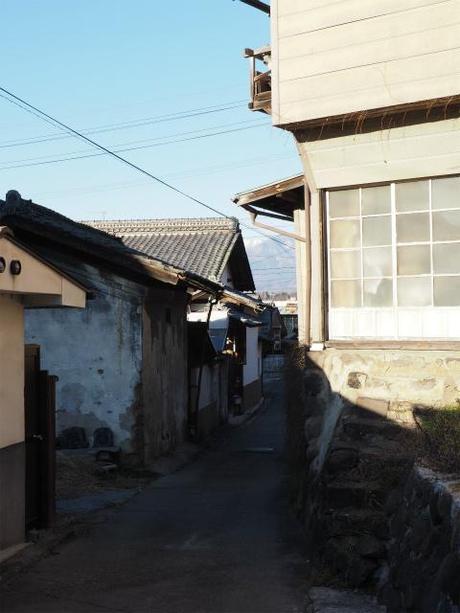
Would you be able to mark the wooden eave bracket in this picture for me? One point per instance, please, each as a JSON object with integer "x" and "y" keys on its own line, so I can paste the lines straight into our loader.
{"x": 279, "y": 231}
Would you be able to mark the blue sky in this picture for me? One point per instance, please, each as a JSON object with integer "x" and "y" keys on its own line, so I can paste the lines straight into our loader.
{"x": 96, "y": 63}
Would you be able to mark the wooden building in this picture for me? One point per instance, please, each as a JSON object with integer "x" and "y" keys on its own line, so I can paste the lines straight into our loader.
{"x": 26, "y": 392}
{"x": 370, "y": 92}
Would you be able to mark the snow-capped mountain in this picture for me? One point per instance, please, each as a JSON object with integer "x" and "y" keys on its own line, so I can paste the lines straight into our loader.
{"x": 272, "y": 263}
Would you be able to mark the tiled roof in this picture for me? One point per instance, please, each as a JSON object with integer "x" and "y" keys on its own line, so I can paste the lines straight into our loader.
{"x": 39, "y": 224}
{"x": 202, "y": 246}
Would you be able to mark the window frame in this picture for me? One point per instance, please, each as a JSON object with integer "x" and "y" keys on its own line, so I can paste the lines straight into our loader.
{"x": 395, "y": 305}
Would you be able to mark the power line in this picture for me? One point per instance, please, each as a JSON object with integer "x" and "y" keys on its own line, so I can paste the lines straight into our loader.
{"x": 30, "y": 108}
{"x": 127, "y": 124}
{"x": 123, "y": 147}
{"x": 192, "y": 172}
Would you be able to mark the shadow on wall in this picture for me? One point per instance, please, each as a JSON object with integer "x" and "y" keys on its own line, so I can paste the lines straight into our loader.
{"x": 374, "y": 518}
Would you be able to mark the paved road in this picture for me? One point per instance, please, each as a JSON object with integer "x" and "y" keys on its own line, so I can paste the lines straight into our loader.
{"x": 215, "y": 537}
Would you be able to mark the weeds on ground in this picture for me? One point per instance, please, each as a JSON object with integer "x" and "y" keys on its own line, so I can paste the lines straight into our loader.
{"x": 441, "y": 433}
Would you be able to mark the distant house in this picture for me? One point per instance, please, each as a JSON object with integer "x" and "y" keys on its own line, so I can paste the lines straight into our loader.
{"x": 289, "y": 316}
{"x": 122, "y": 362}
{"x": 212, "y": 248}
{"x": 272, "y": 329}
{"x": 26, "y": 392}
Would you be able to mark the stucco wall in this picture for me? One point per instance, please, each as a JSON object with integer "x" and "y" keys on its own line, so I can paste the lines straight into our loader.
{"x": 11, "y": 372}
{"x": 97, "y": 355}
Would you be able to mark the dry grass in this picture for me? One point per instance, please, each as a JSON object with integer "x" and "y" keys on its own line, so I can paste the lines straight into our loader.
{"x": 441, "y": 432}
{"x": 77, "y": 476}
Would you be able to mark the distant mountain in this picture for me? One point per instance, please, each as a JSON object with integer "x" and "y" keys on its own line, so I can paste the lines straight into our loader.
{"x": 273, "y": 264}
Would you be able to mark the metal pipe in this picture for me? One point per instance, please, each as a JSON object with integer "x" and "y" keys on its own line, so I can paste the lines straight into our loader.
{"x": 257, "y": 4}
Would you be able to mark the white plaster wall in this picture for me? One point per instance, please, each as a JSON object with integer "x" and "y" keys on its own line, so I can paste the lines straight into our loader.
{"x": 11, "y": 372}
{"x": 250, "y": 369}
{"x": 97, "y": 355}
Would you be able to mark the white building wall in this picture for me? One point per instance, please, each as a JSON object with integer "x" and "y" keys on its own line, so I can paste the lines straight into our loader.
{"x": 410, "y": 152}
{"x": 333, "y": 58}
{"x": 251, "y": 368}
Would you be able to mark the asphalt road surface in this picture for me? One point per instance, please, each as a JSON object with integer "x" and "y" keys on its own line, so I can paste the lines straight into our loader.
{"x": 215, "y": 537}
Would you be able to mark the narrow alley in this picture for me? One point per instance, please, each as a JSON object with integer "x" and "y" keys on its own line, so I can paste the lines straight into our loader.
{"x": 215, "y": 537}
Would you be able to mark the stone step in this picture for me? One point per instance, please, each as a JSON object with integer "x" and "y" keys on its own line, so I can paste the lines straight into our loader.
{"x": 356, "y": 558}
{"x": 348, "y": 455}
{"x": 355, "y": 522}
{"x": 341, "y": 494}
{"x": 364, "y": 427}
{"x": 329, "y": 600}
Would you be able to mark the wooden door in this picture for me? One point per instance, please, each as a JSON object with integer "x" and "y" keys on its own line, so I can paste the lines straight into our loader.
{"x": 39, "y": 404}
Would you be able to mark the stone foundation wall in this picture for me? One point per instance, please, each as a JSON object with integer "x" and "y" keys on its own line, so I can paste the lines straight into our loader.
{"x": 423, "y": 572}
{"x": 392, "y": 382}
{"x": 350, "y": 428}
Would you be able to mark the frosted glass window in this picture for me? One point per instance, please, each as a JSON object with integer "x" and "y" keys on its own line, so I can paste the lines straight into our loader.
{"x": 376, "y": 231}
{"x": 394, "y": 260}
{"x": 344, "y": 203}
{"x": 412, "y": 196}
{"x": 413, "y": 228}
{"x": 378, "y": 292}
{"x": 414, "y": 291}
{"x": 345, "y": 264}
{"x": 447, "y": 291}
{"x": 345, "y": 233}
{"x": 446, "y": 226}
{"x": 346, "y": 293}
{"x": 445, "y": 193}
{"x": 446, "y": 258}
{"x": 375, "y": 200}
{"x": 377, "y": 262}
{"x": 414, "y": 260}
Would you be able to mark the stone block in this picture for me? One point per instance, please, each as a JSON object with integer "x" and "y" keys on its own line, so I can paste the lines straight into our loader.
{"x": 356, "y": 380}
{"x": 341, "y": 460}
{"x": 373, "y": 406}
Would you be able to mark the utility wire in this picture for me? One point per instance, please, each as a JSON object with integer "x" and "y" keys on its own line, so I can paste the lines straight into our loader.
{"x": 30, "y": 108}
{"x": 136, "y": 123}
{"x": 124, "y": 147}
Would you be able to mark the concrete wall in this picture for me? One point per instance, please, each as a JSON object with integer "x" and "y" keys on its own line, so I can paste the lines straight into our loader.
{"x": 341, "y": 57}
{"x": 164, "y": 371}
{"x": 97, "y": 355}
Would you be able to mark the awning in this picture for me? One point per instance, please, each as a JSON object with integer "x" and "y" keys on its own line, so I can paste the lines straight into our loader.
{"x": 277, "y": 200}
{"x": 244, "y": 319}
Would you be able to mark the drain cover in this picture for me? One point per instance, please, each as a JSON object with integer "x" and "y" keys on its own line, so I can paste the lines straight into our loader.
{"x": 260, "y": 449}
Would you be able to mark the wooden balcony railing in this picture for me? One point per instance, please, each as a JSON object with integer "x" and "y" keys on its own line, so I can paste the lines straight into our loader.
{"x": 260, "y": 83}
